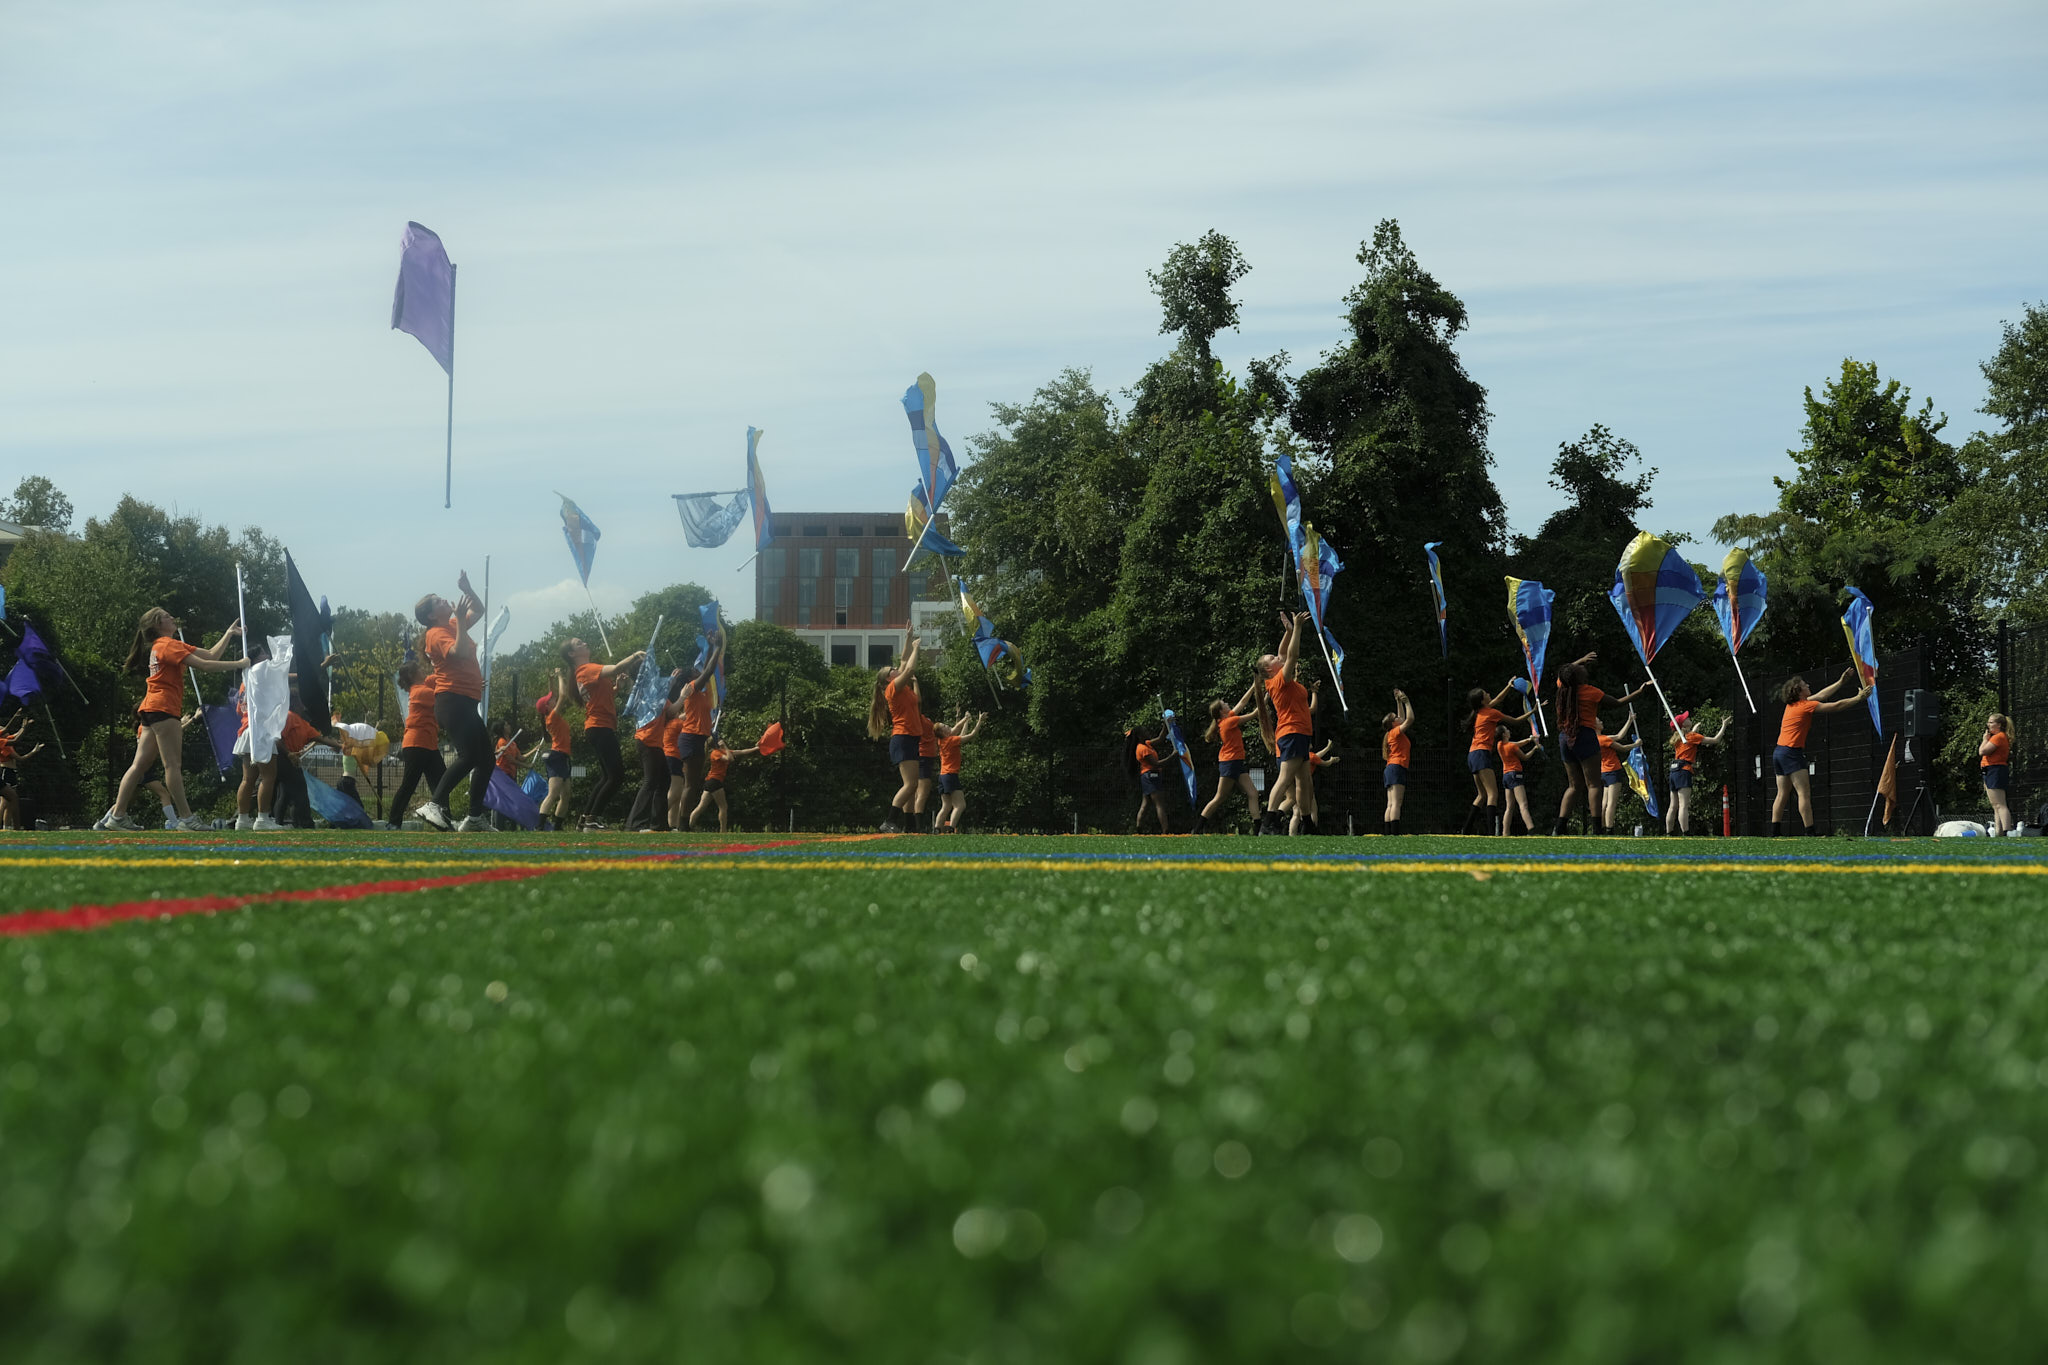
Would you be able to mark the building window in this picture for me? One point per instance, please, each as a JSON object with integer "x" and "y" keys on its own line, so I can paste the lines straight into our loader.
{"x": 881, "y": 656}
{"x": 850, "y": 533}
{"x": 771, "y": 598}
{"x": 783, "y": 528}
{"x": 882, "y": 568}
{"x": 846, "y": 563}
{"x": 888, "y": 532}
{"x": 842, "y": 599}
{"x": 810, "y": 563}
{"x": 916, "y": 581}
{"x": 806, "y": 599}
{"x": 814, "y": 531}
{"x": 845, "y": 655}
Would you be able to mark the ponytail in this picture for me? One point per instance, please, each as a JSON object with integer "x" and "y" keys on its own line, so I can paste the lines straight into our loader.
{"x": 878, "y": 707}
{"x": 146, "y": 635}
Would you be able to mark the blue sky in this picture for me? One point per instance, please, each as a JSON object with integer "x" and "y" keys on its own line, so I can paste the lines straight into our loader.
{"x": 674, "y": 220}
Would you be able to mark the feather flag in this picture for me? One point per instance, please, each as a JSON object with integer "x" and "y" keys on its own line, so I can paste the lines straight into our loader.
{"x": 1436, "y": 586}
{"x": 1529, "y": 604}
{"x": 582, "y": 534}
{"x": 757, "y": 491}
{"x": 1739, "y": 599}
{"x": 1187, "y": 759}
{"x": 1863, "y": 649}
{"x": 1654, "y": 591}
{"x": 935, "y": 468}
{"x": 646, "y": 697}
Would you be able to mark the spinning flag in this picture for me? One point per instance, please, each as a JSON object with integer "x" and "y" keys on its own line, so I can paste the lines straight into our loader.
{"x": 757, "y": 492}
{"x": 1319, "y": 566}
{"x": 1654, "y": 591}
{"x": 993, "y": 651}
{"x": 771, "y": 739}
{"x": 1739, "y": 599}
{"x": 646, "y": 697}
{"x": 1529, "y": 608}
{"x": 312, "y": 634}
{"x": 923, "y": 535}
{"x": 1180, "y": 751}
{"x": 1863, "y": 649}
{"x": 582, "y": 534}
{"x": 35, "y": 668}
{"x": 425, "y": 302}
{"x": 709, "y": 631}
{"x": 1639, "y": 782}
{"x": 1287, "y": 501}
{"x": 708, "y": 523}
{"x": 506, "y": 798}
{"x": 935, "y": 468}
{"x": 1436, "y": 585}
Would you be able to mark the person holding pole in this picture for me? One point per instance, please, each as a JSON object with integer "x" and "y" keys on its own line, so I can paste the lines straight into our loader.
{"x": 597, "y": 686}
{"x": 420, "y": 747}
{"x": 1226, "y": 731}
{"x": 1994, "y": 762}
{"x": 1578, "y": 737}
{"x": 162, "y": 658}
{"x": 1514, "y": 783}
{"x": 1788, "y": 760}
{"x": 1294, "y": 730}
{"x": 894, "y": 711}
{"x": 1613, "y": 770}
{"x": 1683, "y": 764}
{"x": 458, "y": 689}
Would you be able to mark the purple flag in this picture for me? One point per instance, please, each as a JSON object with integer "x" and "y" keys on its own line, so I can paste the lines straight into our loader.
{"x": 505, "y": 797}
{"x": 223, "y": 724}
{"x": 35, "y": 668}
{"x": 425, "y": 302}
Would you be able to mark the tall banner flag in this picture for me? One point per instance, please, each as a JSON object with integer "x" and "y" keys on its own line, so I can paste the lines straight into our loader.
{"x": 582, "y": 534}
{"x": 1654, "y": 591}
{"x": 312, "y": 637}
{"x": 424, "y": 306}
{"x": 1287, "y": 501}
{"x": 1638, "y": 774}
{"x": 1739, "y": 600}
{"x": 1436, "y": 586}
{"x": 924, "y": 537}
{"x": 1863, "y": 650}
{"x": 1529, "y": 605}
{"x": 1318, "y": 567}
{"x": 757, "y": 491}
{"x": 710, "y": 630}
{"x": 935, "y": 468}
{"x": 1187, "y": 759}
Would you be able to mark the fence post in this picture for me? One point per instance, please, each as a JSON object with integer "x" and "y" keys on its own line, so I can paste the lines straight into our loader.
{"x": 2004, "y": 669}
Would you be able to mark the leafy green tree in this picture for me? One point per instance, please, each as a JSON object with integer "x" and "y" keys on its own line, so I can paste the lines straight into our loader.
{"x": 2000, "y": 524}
{"x": 37, "y": 502}
{"x": 1194, "y": 288}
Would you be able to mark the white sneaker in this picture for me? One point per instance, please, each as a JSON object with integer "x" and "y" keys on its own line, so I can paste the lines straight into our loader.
{"x": 265, "y": 825}
{"x": 171, "y": 820}
{"x": 121, "y": 823}
{"x": 104, "y": 822}
{"x": 245, "y": 822}
{"x": 434, "y": 816}
{"x": 473, "y": 824}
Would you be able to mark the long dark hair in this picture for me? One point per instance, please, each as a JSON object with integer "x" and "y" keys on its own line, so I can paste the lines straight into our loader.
{"x": 1387, "y": 724}
{"x": 146, "y": 636}
{"x": 1218, "y": 709}
{"x": 1475, "y": 702}
{"x": 1570, "y": 679}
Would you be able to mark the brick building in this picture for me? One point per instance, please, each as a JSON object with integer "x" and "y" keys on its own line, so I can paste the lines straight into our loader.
{"x": 837, "y": 579}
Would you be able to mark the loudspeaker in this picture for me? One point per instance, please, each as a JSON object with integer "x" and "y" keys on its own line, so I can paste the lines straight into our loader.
{"x": 1923, "y": 713}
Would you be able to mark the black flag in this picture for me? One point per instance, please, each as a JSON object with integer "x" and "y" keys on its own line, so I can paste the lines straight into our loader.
{"x": 312, "y": 628}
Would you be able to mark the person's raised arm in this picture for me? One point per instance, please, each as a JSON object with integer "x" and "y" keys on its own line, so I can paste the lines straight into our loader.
{"x": 205, "y": 665}
{"x": 631, "y": 663}
{"x": 1715, "y": 738}
{"x": 1836, "y": 686}
{"x": 214, "y": 650}
{"x": 1290, "y": 650}
{"x": 1404, "y": 710}
{"x": 1844, "y": 703}
{"x": 914, "y": 642}
{"x": 1250, "y": 699}
{"x": 26, "y": 755}
{"x": 470, "y": 608}
{"x": 1631, "y": 694}
{"x": 741, "y": 753}
{"x": 1501, "y": 696}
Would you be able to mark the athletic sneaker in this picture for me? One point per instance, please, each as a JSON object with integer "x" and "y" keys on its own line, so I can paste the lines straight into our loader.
{"x": 119, "y": 823}
{"x": 473, "y": 824}
{"x": 245, "y": 822}
{"x": 171, "y": 820}
{"x": 435, "y": 817}
{"x": 592, "y": 825}
{"x": 265, "y": 825}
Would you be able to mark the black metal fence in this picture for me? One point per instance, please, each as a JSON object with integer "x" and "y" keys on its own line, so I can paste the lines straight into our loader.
{"x": 1845, "y": 755}
{"x": 2023, "y": 695}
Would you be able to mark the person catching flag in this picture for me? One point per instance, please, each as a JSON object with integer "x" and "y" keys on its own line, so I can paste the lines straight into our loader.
{"x": 458, "y": 689}
{"x": 162, "y": 658}
{"x": 1684, "y": 764}
{"x": 1788, "y": 760}
{"x": 952, "y": 795}
{"x": 597, "y": 686}
{"x": 1226, "y": 732}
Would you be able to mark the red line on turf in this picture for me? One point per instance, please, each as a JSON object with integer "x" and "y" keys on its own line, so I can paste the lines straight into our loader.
{"x": 96, "y": 916}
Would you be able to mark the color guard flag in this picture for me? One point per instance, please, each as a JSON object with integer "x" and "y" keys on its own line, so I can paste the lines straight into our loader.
{"x": 1529, "y": 608}
{"x": 1638, "y": 772}
{"x": 1654, "y": 591}
{"x": 1319, "y": 567}
{"x": 771, "y": 739}
{"x": 35, "y": 668}
{"x": 582, "y": 534}
{"x": 1187, "y": 760}
{"x": 1287, "y": 501}
{"x": 425, "y": 302}
{"x": 1436, "y": 585}
{"x": 935, "y": 468}
{"x": 1863, "y": 649}
{"x": 1739, "y": 598}
{"x": 757, "y": 491}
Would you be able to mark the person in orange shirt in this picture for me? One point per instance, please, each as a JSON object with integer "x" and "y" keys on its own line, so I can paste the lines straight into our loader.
{"x": 507, "y": 754}
{"x": 1294, "y": 729}
{"x": 717, "y": 760}
{"x": 554, "y": 806}
{"x": 894, "y": 711}
{"x": 458, "y": 695}
{"x": 652, "y": 804}
{"x": 927, "y": 764}
{"x": 1226, "y": 732}
{"x": 162, "y": 658}
{"x": 1147, "y": 758}
{"x": 1788, "y": 760}
{"x": 1514, "y": 788}
{"x": 597, "y": 687}
{"x": 420, "y": 746}
{"x": 10, "y": 778}
{"x": 1578, "y": 737}
{"x": 1613, "y": 771}
{"x": 1485, "y": 721}
{"x": 1994, "y": 762}
{"x": 1394, "y": 750}
{"x": 1684, "y": 761}
{"x": 952, "y": 795}
{"x": 693, "y": 736}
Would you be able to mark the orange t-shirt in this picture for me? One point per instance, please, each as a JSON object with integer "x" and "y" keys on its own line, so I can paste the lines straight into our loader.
{"x": 1689, "y": 747}
{"x": 298, "y": 733}
{"x": 672, "y": 737}
{"x": 165, "y": 689}
{"x": 1610, "y": 757}
{"x": 949, "y": 755}
{"x": 904, "y": 716}
{"x": 2001, "y": 751}
{"x": 1485, "y": 725}
{"x": 1588, "y": 716}
{"x": 652, "y": 733}
{"x": 1315, "y": 760}
{"x": 557, "y": 728}
{"x": 1290, "y": 704}
{"x": 422, "y": 731}
{"x": 508, "y": 758}
{"x": 1511, "y": 757}
{"x": 1230, "y": 735}
{"x": 697, "y": 709}
{"x": 1147, "y": 759}
{"x": 1798, "y": 720}
{"x": 719, "y": 759}
{"x": 7, "y": 754}
{"x": 928, "y": 738}
{"x": 1397, "y": 745}
{"x": 600, "y": 710}
{"x": 453, "y": 654}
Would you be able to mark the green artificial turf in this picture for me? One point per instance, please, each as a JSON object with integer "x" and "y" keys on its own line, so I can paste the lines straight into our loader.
{"x": 995, "y": 1113}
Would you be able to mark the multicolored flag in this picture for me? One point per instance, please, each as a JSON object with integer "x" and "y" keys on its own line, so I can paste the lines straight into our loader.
{"x": 1638, "y": 773}
{"x": 1529, "y": 604}
{"x": 1319, "y": 567}
{"x": 1654, "y": 591}
{"x": 1187, "y": 759}
{"x": 1739, "y": 599}
{"x": 1863, "y": 649}
{"x": 1287, "y": 501}
{"x": 647, "y": 695}
{"x": 922, "y": 531}
{"x": 757, "y": 491}
{"x": 707, "y": 522}
{"x": 935, "y": 469}
{"x": 582, "y": 534}
{"x": 710, "y": 631}
{"x": 1436, "y": 586}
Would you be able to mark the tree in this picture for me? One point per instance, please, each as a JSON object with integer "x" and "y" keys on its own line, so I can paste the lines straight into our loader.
{"x": 1869, "y": 507}
{"x": 1194, "y": 291}
{"x": 2000, "y": 525}
{"x": 36, "y": 502}
{"x": 1574, "y": 552}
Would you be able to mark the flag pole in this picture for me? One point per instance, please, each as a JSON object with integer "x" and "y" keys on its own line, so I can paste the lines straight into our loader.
{"x": 1660, "y": 694}
{"x": 748, "y": 560}
{"x": 485, "y": 706}
{"x": 594, "y": 616}
{"x": 1335, "y": 680}
{"x": 1744, "y": 681}
{"x": 448, "y": 488}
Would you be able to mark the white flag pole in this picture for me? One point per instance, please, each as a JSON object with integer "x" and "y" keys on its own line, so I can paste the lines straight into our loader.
{"x": 1744, "y": 681}
{"x": 484, "y": 707}
{"x": 448, "y": 488}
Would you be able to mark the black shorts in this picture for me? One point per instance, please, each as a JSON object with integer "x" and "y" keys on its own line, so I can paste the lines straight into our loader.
{"x": 557, "y": 764}
{"x": 1294, "y": 748}
{"x": 1510, "y": 780}
{"x": 714, "y": 784}
{"x": 1994, "y": 776}
{"x": 690, "y": 745}
{"x": 1230, "y": 767}
{"x": 1613, "y": 779}
{"x": 949, "y": 782}
{"x": 1786, "y": 761}
{"x": 1582, "y": 747}
{"x": 902, "y": 749}
{"x": 1478, "y": 761}
{"x": 155, "y": 717}
{"x": 928, "y": 768}
{"x": 1394, "y": 775}
{"x": 675, "y": 765}
{"x": 1152, "y": 783}
{"x": 9, "y": 778}
{"x": 1681, "y": 778}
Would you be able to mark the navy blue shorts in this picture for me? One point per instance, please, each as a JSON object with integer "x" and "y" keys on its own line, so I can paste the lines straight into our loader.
{"x": 675, "y": 765}
{"x": 949, "y": 782}
{"x": 1152, "y": 783}
{"x": 903, "y": 748}
{"x": 1230, "y": 767}
{"x": 1681, "y": 778}
{"x": 1395, "y": 776}
{"x": 9, "y": 778}
{"x": 928, "y": 769}
{"x": 714, "y": 784}
{"x": 1294, "y": 748}
{"x": 1478, "y": 760}
{"x": 1612, "y": 779}
{"x": 1786, "y": 762}
{"x": 1994, "y": 777}
{"x": 1510, "y": 781}
{"x": 557, "y": 764}
{"x": 1583, "y": 747}
{"x": 691, "y": 746}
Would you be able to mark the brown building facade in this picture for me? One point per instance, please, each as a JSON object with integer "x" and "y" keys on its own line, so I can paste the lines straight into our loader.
{"x": 837, "y": 579}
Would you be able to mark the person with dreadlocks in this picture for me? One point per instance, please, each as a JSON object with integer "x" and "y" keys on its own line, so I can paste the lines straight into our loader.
{"x": 1578, "y": 737}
